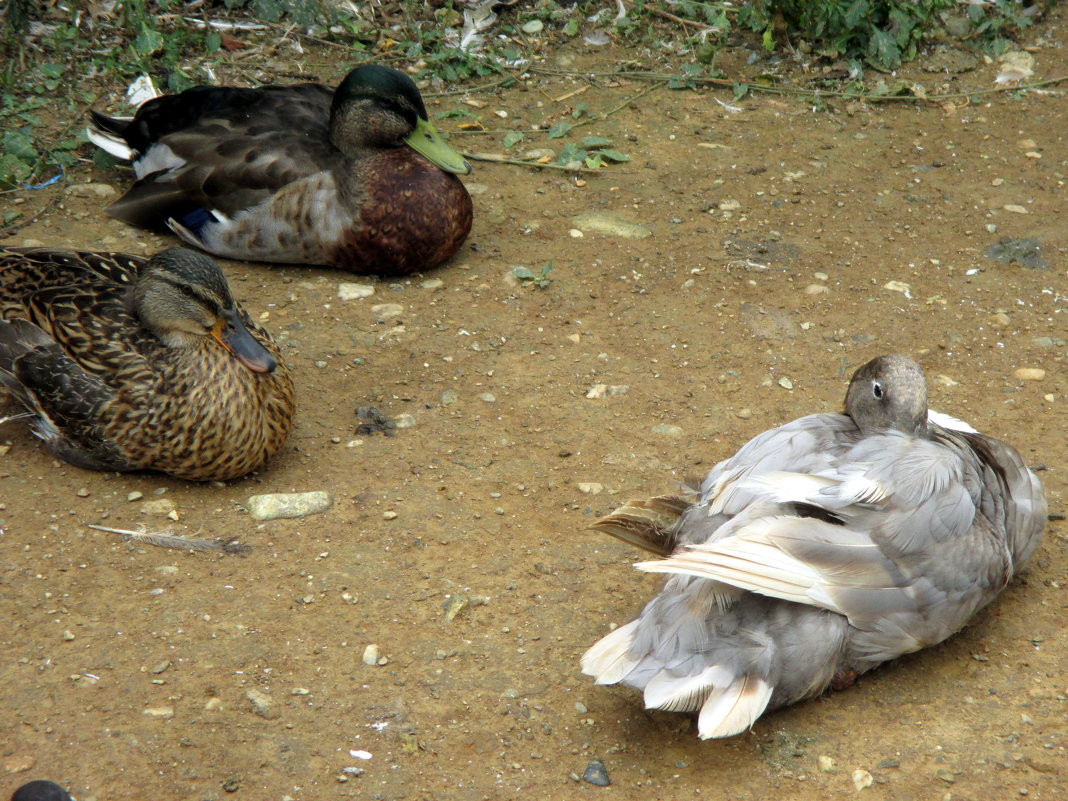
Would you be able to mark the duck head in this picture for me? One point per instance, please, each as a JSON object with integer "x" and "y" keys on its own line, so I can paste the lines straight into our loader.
{"x": 377, "y": 106}
{"x": 888, "y": 393}
{"x": 183, "y": 298}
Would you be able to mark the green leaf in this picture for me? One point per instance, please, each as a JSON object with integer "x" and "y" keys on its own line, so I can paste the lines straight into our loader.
{"x": 523, "y": 273}
{"x": 740, "y": 90}
{"x": 148, "y": 40}
{"x": 594, "y": 161}
{"x": 51, "y": 70}
{"x": 614, "y": 155}
{"x": 178, "y": 81}
{"x": 583, "y": 108}
{"x": 883, "y": 50}
{"x": 12, "y": 171}
{"x": 595, "y": 141}
{"x": 18, "y": 145}
{"x": 560, "y": 129}
{"x": 212, "y": 42}
{"x": 768, "y": 40}
{"x": 856, "y": 13}
{"x": 513, "y": 138}
{"x": 571, "y": 28}
{"x": 571, "y": 153}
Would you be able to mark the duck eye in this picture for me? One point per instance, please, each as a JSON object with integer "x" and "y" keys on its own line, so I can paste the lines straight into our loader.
{"x": 877, "y": 390}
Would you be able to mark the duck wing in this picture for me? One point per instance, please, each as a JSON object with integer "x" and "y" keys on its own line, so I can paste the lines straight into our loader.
{"x": 910, "y": 560}
{"x": 221, "y": 148}
{"x": 64, "y": 399}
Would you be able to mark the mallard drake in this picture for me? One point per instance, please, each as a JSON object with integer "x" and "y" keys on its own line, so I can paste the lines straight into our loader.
{"x": 820, "y": 550}
{"x": 355, "y": 178}
{"x": 128, "y": 363}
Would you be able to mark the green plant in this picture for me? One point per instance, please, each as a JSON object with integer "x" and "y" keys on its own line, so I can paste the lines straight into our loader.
{"x": 528, "y": 277}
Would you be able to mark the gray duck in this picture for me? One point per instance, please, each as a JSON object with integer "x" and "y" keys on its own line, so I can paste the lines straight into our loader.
{"x": 355, "y": 178}
{"x": 820, "y": 550}
{"x": 128, "y": 363}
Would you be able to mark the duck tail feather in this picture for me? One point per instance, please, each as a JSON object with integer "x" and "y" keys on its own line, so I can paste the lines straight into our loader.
{"x": 609, "y": 660}
{"x": 109, "y": 141}
{"x": 735, "y": 708}
{"x": 648, "y": 524}
{"x": 674, "y": 693}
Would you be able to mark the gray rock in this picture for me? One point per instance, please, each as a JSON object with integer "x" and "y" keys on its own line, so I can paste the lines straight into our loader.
{"x": 668, "y": 430}
{"x": 262, "y": 704}
{"x": 600, "y": 222}
{"x": 297, "y": 504}
{"x": 596, "y": 773}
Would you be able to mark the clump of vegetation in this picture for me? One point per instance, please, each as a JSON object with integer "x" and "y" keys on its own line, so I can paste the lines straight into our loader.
{"x": 56, "y": 59}
{"x": 883, "y": 33}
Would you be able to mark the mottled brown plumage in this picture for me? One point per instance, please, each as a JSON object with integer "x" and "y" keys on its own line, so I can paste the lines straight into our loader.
{"x": 297, "y": 174}
{"x": 128, "y": 363}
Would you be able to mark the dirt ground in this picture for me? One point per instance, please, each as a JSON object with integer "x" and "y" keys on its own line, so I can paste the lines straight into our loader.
{"x": 458, "y": 545}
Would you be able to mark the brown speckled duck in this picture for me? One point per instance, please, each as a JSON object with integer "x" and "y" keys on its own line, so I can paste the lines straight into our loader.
{"x": 355, "y": 178}
{"x": 128, "y": 363}
{"x": 820, "y": 550}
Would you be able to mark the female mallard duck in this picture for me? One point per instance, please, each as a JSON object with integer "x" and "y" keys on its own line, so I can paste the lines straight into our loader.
{"x": 355, "y": 178}
{"x": 127, "y": 363}
{"x": 821, "y": 549}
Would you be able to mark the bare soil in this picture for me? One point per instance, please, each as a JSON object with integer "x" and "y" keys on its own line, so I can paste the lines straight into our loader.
{"x": 458, "y": 545}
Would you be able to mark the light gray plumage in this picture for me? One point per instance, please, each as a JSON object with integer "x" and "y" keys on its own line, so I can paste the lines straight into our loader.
{"x": 818, "y": 551}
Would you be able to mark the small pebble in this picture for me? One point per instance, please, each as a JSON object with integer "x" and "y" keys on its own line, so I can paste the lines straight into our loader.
{"x": 1015, "y": 208}
{"x": 386, "y": 311}
{"x": 68, "y": 635}
{"x": 449, "y": 397}
{"x": 488, "y": 397}
{"x": 262, "y": 704}
{"x": 371, "y": 655}
{"x": 298, "y": 504}
{"x": 668, "y": 430}
{"x": 1030, "y": 373}
{"x": 135, "y": 496}
{"x": 160, "y": 507}
{"x": 454, "y": 606}
{"x": 532, "y": 26}
{"x": 825, "y": 763}
{"x": 786, "y": 383}
{"x": 213, "y": 704}
{"x": 390, "y": 515}
{"x": 95, "y": 191}
{"x": 403, "y": 421}
{"x": 745, "y": 413}
{"x": 605, "y": 391}
{"x": 898, "y": 286}
{"x": 432, "y": 284}
{"x": 862, "y": 779}
{"x": 82, "y": 493}
{"x": 596, "y": 773}
{"x": 600, "y": 222}
{"x": 590, "y": 487}
{"x": 158, "y": 712}
{"x": 354, "y": 291}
